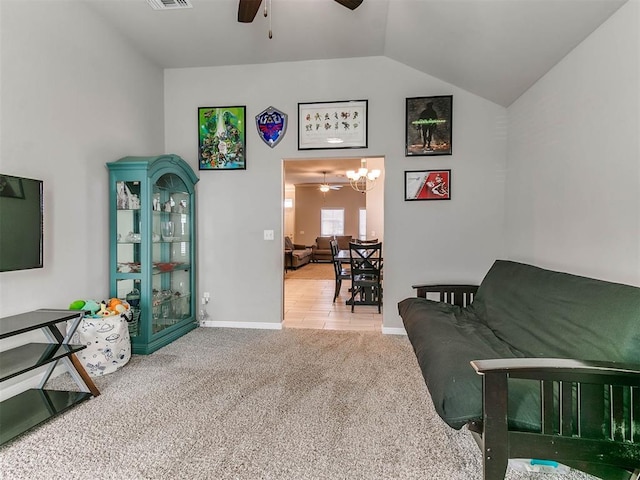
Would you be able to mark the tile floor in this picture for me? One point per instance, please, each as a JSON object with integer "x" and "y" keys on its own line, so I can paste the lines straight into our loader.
{"x": 309, "y": 304}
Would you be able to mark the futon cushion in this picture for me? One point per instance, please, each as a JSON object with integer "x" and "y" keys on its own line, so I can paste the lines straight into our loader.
{"x": 445, "y": 339}
{"x": 545, "y": 313}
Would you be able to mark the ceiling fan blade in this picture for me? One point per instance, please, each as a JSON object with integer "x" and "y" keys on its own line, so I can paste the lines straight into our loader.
{"x": 247, "y": 10}
{"x": 350, "y": 4}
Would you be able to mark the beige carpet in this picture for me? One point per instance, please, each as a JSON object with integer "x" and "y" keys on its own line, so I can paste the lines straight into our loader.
{"x": 256, "y": 404}
{"x": 312, "y": 271}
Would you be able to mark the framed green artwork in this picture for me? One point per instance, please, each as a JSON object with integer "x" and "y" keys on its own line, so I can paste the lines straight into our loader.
{"x": 222, "y": 138}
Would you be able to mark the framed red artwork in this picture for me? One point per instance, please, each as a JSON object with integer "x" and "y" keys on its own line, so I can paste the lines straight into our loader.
{"x": 427, "y": 185}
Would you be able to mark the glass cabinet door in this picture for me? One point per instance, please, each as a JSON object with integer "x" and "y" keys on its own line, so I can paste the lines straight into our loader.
{"x": 128, "y": 246}
{"x": 170, "y": 253}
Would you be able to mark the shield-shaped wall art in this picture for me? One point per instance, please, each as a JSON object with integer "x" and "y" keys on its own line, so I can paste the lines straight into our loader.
{"x": 272, "y": 125}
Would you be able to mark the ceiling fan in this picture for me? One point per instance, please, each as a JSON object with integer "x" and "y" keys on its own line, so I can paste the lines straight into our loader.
{"x": 247, "y": 9}
{"x": 325, "y": 187}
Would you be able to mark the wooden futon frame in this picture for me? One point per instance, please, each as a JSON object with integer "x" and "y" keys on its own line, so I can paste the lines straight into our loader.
{"x": 590, "y": 411}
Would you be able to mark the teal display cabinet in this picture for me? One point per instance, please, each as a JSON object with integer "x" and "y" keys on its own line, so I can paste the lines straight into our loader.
{"x": 152, "y": 208}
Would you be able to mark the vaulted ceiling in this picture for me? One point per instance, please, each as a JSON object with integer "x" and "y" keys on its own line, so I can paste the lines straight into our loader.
{"x": 496, "y": 49}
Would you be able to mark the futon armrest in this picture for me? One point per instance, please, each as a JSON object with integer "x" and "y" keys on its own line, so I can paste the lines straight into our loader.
{"x": 562, "y": 369}
{"x": 299, "y": 246}
{"x": 461, "y": 295}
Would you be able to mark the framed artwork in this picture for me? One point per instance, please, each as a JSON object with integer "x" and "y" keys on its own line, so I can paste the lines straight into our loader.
{"x": 222, "y": 138}
{"x": 427, "y": 185}
{"x": 332, "y": 125}
{"x": 428, "y": 126}
{"x": 11, "y": 187}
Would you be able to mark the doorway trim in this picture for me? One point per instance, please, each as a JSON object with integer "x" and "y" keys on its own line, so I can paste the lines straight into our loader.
{"x": 375, "y": 228}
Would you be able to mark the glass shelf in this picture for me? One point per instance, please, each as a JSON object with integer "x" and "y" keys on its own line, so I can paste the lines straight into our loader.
{"x": 32, "y": 355}
{"x": 32, "y": 407}
{"x": 24, "y": 411}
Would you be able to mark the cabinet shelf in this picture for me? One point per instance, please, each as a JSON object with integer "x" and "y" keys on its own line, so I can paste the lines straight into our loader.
{"x": 168, "y": 268}
{"x": 155, "y": 242}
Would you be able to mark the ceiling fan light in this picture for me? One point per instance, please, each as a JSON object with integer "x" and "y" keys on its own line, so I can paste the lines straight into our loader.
{"x": 324, "y": 188}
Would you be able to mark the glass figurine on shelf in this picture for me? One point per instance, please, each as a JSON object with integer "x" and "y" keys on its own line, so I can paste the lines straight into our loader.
{"x": 134, "y": 202}
{"x": 123, "y": 195}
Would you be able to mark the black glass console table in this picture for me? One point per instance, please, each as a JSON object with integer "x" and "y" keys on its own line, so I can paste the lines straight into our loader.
{"x": 34, "y": 406}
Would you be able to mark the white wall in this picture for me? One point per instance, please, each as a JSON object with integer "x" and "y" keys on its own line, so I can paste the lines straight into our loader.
{"x": 289, "y": 213}
{"x": 309, "y": 204}
{"x": 74, "y": 96}
{"x": 424, "y": 241}
{"x": 573, "y": 183}
{"x": 375, "y": 202}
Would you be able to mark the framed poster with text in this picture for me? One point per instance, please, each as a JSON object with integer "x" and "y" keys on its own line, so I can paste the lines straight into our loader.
{"x": 332, "y": 125}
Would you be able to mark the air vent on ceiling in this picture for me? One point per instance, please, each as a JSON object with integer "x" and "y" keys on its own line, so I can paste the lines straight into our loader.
{"x": 169, "y": 4}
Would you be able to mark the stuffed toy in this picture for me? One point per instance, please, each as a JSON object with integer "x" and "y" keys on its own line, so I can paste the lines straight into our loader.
{"x": 113, "y": 306}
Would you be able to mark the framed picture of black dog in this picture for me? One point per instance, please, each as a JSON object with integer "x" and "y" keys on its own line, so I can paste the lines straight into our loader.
{"x": 428, "y": 126}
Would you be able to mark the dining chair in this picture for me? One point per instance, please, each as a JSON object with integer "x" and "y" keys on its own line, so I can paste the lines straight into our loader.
{"x": 366, "y": 274}
{"x": 341, "y": 273}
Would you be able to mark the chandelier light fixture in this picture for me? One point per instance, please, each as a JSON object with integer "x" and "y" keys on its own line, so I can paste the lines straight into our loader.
{"x": 363, "y": 179}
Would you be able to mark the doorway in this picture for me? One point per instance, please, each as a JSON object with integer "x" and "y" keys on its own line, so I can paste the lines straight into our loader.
{"x": 309, "y": 289}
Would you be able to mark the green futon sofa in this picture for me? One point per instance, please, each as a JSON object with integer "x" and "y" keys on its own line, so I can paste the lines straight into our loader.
{"x": 538, "y": 364}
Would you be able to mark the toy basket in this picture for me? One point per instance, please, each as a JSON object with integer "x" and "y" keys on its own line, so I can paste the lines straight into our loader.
{"x": 108, "y": 342}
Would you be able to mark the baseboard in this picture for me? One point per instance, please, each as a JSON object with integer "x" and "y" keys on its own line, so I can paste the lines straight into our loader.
{"x": 258, "y": 325}
{"x": 394, "y": 331}
{"x": 278, "y": 326}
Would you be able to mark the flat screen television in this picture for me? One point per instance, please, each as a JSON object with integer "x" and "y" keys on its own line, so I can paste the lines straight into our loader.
{"x": 21, "y": 223}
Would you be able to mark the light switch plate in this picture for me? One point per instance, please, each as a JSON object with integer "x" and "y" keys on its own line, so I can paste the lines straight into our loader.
{"x": 268, "y": 235}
